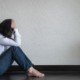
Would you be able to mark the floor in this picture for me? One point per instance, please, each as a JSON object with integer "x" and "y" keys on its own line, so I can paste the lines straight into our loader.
{"x": 48, "y": 76}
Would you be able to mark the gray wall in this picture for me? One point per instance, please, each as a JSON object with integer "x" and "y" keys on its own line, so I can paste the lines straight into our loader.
{"x": 50, "y": 29}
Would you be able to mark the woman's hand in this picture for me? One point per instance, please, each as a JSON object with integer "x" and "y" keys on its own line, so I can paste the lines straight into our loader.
{"x": 13, "y": 25}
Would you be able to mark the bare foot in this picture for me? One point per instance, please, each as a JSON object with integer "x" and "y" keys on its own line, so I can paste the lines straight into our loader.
{"x": 35, "y": 73}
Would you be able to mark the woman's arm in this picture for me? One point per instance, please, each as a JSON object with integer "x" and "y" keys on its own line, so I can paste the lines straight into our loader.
{"x": 17, "y": 36}
{"x": 10, "y": 42}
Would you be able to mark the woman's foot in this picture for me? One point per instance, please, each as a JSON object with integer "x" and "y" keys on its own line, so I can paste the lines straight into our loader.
{"x": 35, "y": 73}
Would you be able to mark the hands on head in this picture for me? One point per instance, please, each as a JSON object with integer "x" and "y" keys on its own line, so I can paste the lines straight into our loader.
{"x": 13, "y": 24}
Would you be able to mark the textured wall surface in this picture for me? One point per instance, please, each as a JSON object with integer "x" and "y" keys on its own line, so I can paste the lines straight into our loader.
{"x": 50, "y": 29}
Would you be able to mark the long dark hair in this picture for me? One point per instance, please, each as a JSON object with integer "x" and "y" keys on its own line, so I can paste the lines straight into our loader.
{"x": 5, "y": 28}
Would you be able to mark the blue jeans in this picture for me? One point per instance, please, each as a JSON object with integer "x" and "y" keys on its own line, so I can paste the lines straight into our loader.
{"x": 11, "y": 54}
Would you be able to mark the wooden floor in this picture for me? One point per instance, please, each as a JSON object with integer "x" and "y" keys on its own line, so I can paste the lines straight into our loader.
{"x": 48, "y": 76}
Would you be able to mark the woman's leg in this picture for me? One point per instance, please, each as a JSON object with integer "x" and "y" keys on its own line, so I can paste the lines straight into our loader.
{"x": 20, "y": 57}
{"x": 24, "y": 62}
{"x": 14, "y": 53}
{"x": 5, "y": 61}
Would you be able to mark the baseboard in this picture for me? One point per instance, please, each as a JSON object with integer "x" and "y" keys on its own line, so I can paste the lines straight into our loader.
{"x": 56, "y": 69}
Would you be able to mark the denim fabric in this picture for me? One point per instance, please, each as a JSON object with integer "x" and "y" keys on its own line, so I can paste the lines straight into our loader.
{"x": 11, "y": 54}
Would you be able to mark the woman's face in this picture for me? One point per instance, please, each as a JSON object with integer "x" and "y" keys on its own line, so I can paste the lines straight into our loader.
{"x": 13, "y": 24}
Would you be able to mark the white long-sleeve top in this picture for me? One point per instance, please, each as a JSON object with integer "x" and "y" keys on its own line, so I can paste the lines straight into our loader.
{"x": 6, "y": 42}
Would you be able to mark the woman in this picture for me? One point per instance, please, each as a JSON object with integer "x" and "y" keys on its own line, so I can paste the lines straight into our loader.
{"x": 10, "y": 41}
